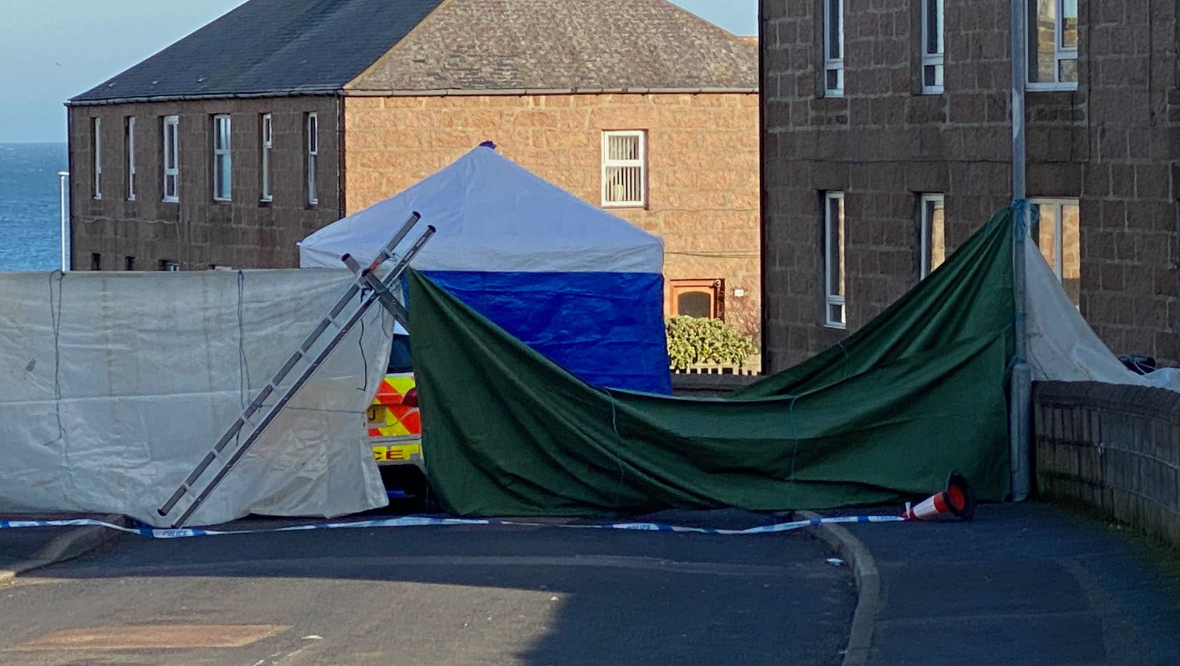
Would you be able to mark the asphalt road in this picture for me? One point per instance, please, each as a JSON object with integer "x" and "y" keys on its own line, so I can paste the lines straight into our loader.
{"x": 454, "y": 596}
{"x": 19, "y": 546}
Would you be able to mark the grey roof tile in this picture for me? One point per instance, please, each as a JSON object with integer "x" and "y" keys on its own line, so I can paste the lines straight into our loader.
{"x": 280, "y": 47}
{"x": 564, "y": 44}
{"x": 271, "y": 46}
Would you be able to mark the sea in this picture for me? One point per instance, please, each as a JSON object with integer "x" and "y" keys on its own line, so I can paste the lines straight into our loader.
{"x": 30, "y": 205}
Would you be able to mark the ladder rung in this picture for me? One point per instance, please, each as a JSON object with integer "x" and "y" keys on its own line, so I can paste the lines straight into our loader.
{"x": 324, "y": 324}
{"x": 287, "y": 367}
{"x": 234, "y": 430}
{"x": 265, "y": 393}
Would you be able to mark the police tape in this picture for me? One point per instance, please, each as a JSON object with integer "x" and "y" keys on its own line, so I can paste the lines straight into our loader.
{"x": 425, "y": 521}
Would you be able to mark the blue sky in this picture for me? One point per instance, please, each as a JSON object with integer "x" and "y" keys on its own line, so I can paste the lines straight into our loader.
{"x": 55, "y": 49}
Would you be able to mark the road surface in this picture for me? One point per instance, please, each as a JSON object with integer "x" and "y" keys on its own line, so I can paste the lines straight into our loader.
{"x": 453, "y": 596}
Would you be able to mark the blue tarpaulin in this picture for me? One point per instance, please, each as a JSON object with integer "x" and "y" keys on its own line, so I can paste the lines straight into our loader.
{"x": 585, "y": 322}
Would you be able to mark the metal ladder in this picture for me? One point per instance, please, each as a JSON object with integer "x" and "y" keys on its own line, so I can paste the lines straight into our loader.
{"x": 371, "y": 288}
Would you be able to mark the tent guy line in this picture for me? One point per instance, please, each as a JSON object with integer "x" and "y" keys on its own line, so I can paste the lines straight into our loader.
{"x": 424, "y": 521}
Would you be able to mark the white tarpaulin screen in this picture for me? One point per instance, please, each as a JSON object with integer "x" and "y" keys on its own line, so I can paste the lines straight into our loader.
{"x": 113, "y": 386}
{"x": 1062, "y": 346}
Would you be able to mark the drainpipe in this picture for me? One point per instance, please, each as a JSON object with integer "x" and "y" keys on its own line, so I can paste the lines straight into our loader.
{"x": 1021, "y": 382}
{"x": 341, "y": 175}
{"x": 64, "y": 184}
{"x": 768, "y": 361}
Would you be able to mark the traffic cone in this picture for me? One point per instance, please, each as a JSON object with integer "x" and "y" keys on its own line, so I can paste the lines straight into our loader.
{"x": 957, "y": 500}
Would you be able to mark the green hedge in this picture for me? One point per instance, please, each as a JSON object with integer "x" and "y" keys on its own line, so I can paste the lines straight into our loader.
{"x": 693, "y": 340}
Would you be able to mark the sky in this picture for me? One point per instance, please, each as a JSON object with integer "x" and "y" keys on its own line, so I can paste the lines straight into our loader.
{"x": 55, "y": 49}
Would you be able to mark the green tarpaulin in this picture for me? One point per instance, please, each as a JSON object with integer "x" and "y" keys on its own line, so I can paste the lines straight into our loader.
{"x": 916, "y": 393}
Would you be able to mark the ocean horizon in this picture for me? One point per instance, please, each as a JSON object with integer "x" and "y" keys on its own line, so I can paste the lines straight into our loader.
{"x": 30, "y": 205}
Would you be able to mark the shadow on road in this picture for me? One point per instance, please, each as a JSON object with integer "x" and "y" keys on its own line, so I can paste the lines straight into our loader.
{"x": 536, "y": 595}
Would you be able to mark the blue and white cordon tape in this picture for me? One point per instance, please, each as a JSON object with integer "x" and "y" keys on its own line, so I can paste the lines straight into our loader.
{"x": 422, "y": 521}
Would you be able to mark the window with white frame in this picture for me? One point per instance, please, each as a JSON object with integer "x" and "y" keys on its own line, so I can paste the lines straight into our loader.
{"x": 932, "y": 220}
{"x": 129, "y": 154}
{"x": 267, "y": 145}
{"x": 1056, "y": 229}
{"x": 835, "y": 237}
{"x": 171, "y": 161}
{"x": 96, "y": 151}
{"x": 313, "y": 153}
{"x": 1052, "y": 44}
{"x": 833, "y": 48}
{"x": 624, "y": 168}
{"x": 933, "y": 48}
{"x": 222, "y": 159}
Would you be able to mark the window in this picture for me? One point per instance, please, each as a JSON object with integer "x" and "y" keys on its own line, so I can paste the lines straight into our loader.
{"x": 313, "y": 152}
{"x": 833, "y": 48}
{"x": 129, "y": 154}
{"x": 698, "y": 298}
{"x": 1052, "y": 44}
{"x": 169, "y": 266}
{"x": 95, "y": 261}
{"x": 401, "y": 357}
{"x": 624, "y": 168}
{"x": 834, "y": 266}
{"x": 267, "y": 144}
{"x": 96, "y": 151}
{"x": 128, "y": 263}
{"x": 931, "y": 219}
{"x": 933, "y": 49}
{"x": 1056, "y": 229}
{"x": 171, "y": 162}
{"x": 222, "y": 161}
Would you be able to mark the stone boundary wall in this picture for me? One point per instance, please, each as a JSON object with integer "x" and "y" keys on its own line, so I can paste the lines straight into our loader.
{"x": 710, "y": 386}
{"x": 1113, "y": 447}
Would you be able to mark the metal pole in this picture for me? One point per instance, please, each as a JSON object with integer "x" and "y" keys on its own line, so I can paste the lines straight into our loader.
{"x": 1021, "y": 382}
{"x": 63, "y": 183}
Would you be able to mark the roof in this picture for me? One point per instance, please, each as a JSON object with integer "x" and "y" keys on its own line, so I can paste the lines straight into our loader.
{"x": 476, "y": 45}
{"x": 302, "y": 47}
{"x": 270, "y": 47}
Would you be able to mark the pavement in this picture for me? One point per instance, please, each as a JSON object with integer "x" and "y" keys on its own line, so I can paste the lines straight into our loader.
{"x": 459, "y": 596}
{"x": 1022, "y": 585}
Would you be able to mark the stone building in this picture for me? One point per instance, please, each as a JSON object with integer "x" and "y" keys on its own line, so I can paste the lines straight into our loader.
{"x": 284, "y": 115}
{"x": 887, "y": 143}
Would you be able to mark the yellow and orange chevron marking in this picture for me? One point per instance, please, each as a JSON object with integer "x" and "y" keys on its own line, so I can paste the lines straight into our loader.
{"x": 393, "y": 419}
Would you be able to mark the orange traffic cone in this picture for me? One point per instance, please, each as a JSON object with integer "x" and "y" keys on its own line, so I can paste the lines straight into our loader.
{"x": 957, "y": 500}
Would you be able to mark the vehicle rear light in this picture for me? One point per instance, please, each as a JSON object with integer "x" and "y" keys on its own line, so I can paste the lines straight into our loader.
{"x": 411, "y": 398}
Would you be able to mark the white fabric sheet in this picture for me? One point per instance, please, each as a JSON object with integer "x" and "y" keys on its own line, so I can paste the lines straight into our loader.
{"x": 493, "y": 215}
{"x": 113, "y": 386}
{"x": 1062, "y": 346}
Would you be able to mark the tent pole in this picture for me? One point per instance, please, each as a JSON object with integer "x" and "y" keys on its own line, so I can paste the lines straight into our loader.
{"x": 1021, "y": 383}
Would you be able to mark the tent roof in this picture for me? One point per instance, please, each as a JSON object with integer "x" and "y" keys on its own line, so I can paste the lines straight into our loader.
{"x": 493, "y": 215}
